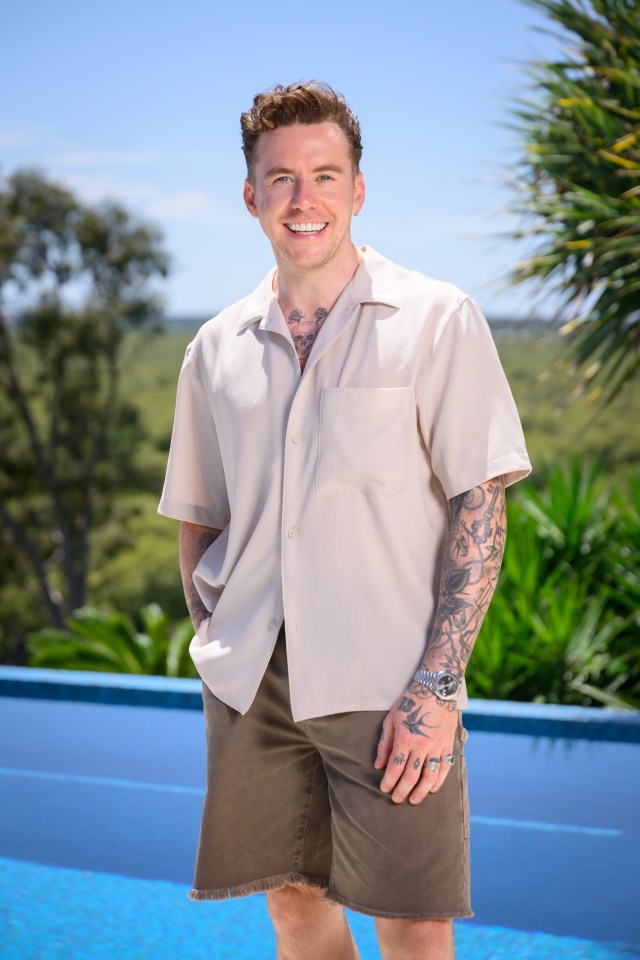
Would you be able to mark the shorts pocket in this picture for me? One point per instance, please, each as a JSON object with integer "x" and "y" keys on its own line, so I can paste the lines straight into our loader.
{"x": 362, "y": 440}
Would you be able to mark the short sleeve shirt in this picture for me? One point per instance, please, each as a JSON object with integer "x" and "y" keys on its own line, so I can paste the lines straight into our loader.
{"x": 331, "y": 487}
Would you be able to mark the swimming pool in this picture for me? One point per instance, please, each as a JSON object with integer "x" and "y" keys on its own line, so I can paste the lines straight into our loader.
{"x": 100, "y": 807}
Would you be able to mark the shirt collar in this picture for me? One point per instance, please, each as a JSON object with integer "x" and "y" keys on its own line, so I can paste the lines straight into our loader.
{"x": 375, "y": 281}
{"x": 259, "y": 303}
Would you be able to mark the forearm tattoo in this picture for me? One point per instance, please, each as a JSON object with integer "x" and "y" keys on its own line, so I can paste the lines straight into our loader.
{"x": 194, "y": 540}
{"x": 472, "y": 560}
{"x": 304, "y": 330}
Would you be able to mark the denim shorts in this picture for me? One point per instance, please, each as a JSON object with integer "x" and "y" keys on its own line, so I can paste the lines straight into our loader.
{"x": 300, "y": 803}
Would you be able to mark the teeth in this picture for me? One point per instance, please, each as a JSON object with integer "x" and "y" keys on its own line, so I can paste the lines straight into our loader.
{"x": 306, "y": 227}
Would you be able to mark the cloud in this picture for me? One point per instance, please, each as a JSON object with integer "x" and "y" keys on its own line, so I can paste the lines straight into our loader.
{"x": 20, "y": 136}
{"x": 12, "y": 138}
{"x": 194, "y": 206}
{"x": 111, "y": 158}
{"x": 94, "y": 188}
{"x": 190, "y": 205}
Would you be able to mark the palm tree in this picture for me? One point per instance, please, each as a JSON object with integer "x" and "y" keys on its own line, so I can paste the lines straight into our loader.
{"x": 579, "y": 184}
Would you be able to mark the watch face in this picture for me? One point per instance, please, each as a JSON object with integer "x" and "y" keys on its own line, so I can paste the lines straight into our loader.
{"x": 446, "y": 685}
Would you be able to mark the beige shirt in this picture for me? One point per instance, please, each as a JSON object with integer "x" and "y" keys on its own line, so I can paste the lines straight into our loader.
{"x": 331, "y": 488}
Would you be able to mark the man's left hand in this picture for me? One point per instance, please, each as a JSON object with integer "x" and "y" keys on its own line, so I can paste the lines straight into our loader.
{"x": 416, "y": 730}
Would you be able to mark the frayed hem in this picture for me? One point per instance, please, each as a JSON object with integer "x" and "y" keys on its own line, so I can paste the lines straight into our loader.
{"x": 259, "y": 886}
{"x": 332, "y": 897}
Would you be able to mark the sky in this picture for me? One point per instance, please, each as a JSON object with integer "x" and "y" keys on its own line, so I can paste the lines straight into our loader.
{"x": 139, "y": 102}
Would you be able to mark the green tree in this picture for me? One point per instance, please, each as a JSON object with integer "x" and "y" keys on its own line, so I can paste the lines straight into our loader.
{"x": 579, "y": 184}
{"x": 74, "y": 280}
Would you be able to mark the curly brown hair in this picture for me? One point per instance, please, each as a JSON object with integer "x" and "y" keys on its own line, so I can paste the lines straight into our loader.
{"x": 309, "y": 102}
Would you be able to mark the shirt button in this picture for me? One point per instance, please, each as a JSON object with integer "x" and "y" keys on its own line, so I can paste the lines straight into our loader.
{"x": 272, "y": 625}
{"x": 296, "y": 438}
{"x": 292, "y": 533}
{"x": 292, "y": 352}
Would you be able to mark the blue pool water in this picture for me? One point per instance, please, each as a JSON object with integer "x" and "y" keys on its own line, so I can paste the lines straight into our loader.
{"x": 71, "y": 914}
{"x": 99, "y": 817}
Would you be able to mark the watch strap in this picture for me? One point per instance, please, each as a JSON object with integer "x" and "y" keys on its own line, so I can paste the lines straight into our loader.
{"x": 430, "y": 678}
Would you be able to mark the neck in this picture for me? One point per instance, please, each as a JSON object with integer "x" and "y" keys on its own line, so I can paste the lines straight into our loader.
{"x": 307, "y": 290}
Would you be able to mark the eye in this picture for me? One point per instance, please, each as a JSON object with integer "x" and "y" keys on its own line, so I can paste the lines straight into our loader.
{"x": 325, "y": 176}
{"x": 283, "y": 179}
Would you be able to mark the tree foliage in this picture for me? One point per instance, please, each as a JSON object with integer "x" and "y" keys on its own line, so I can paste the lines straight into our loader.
{"x": 579, "y": 183}
{"x": 74, "y": 279}
{"x": 564, "y": 624}
{"x": 114, "y": 643}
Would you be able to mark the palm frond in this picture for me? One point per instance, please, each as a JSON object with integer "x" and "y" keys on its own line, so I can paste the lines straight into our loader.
{"x": 579, "y": 179}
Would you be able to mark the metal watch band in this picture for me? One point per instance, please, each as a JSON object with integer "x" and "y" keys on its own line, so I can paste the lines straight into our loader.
{"x": 430, "y": 678}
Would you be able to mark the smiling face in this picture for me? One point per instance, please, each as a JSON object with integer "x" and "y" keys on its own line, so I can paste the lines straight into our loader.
{"x": 304, "y": 193}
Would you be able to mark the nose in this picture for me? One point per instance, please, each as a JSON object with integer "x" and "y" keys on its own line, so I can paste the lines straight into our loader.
{"x": 303, "y": 195}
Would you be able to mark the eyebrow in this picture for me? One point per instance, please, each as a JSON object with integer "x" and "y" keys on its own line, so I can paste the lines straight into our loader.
{"x": 325, "y": 167}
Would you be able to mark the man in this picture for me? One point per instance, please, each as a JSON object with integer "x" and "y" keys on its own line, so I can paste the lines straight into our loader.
{"x": 342, "y": 441}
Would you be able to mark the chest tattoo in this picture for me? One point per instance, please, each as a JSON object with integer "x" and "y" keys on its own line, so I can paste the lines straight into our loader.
{"x": 304, "y": 330}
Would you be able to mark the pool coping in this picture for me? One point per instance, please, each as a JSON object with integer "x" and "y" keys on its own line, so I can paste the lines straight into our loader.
{"x": 177, "y": 693}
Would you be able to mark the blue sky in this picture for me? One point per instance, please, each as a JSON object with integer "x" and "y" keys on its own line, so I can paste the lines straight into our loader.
{"x": 140, "y": 102}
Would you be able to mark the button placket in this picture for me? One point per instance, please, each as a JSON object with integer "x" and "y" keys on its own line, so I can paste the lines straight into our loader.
{"x": 293, "y": 467}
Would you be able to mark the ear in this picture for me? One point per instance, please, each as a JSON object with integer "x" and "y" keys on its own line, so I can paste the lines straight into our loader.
{"x": 358, "y": 193}
{"x": 249, "y": 195}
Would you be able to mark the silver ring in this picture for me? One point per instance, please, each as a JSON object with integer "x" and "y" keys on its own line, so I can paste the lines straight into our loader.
{"x": 433, "y": 765}
{"x": 450, "y": 759}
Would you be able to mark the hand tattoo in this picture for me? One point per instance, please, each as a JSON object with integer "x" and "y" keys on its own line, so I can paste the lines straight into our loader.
{"x": 399, "y": 759}
{"x": 417, "y": 763}
{"x": 406, "y": 705}
{"x": 418, "y": 724}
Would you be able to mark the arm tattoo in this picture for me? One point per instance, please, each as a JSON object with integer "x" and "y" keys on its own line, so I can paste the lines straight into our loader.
{"x": 304, "y": 331}
{"x": 194, "y": 540}
{"x": 472, "y": 559}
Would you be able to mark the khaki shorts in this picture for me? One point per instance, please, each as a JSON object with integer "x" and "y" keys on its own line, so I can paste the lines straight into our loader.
{"x": 300, "y": 803}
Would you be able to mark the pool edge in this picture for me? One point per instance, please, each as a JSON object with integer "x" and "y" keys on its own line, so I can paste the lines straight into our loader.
{"x": 494, "y": 716}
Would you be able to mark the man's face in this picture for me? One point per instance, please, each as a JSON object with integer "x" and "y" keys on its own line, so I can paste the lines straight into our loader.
{"x": 304, "y": 193}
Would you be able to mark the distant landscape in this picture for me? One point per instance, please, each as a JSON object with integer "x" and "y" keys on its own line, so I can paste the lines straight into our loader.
{"x": 533, "y": 354}
{"x": 555, "y": 432}
{"x": 564, "y": 625}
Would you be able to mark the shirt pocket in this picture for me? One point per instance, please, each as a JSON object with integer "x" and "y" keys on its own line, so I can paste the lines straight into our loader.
{"x": 362, "y": 441}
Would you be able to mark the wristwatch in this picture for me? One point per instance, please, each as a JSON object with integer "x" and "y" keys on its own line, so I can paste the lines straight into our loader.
{"x": 444, "y": 685}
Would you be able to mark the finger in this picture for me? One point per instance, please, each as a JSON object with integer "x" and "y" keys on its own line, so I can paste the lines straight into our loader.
{"x": 396, "y": 764}
{"x": 411, "y": 775}
{"x": 428, "y": 779}
{"x": 443, "y": 772}
{"x": 385, "y": 744}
